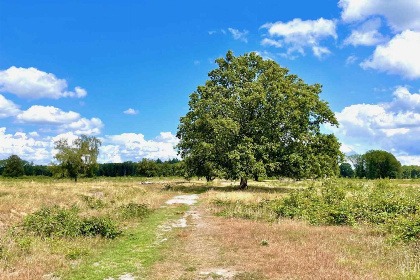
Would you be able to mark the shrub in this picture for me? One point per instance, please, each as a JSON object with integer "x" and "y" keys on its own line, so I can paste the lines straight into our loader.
{"x": 53, "y": 221}
{"x": 390, "y": 209}
{"x": 103, "y": 226}
{"x": 134, "y": 210}
{"x": 56, "y": 221}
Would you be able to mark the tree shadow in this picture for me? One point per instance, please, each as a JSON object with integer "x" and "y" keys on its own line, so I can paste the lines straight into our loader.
{"x": 197, "y": 189}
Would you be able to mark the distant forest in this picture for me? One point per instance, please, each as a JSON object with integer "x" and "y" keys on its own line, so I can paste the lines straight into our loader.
{"x": 144, "y": 168}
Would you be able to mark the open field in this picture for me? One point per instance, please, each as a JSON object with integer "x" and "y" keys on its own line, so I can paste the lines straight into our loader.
{"x": 269, "y": 231}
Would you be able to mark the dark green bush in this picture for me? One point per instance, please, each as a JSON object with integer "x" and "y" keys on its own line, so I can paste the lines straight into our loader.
{"x": 134, "y": 210}
{"x": 56, "y": 221}
{"x": 103, "y": 226}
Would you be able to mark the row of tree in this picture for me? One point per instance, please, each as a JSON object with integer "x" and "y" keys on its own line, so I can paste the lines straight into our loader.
{"x": 16, "y": 167}
{"x": 377, "y": 164}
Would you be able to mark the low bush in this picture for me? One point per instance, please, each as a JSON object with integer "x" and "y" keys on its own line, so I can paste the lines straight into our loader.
{"x": 56, "y": 221}
{"x": 381, "y": 205}
{"x": 102, "y": 226}
{"x": 134, "y": 210}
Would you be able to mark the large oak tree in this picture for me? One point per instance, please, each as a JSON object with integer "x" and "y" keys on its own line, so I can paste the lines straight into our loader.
{"x": 251, "y": 119}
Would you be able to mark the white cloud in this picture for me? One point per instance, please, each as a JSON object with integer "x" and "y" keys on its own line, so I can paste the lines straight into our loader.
{"x": 298, "y": 34}
{"x": 38, "y": 114}
{"x": 134, "y": 146}
{"x": 32, "y": 83}
{"x": 56, "y": 120}
{"x": 239, "y": 35}
{"x": 321, "y": 52}
{"x": 24, "y": 146}
{"x": 400, "y": 14}
{"x": 8, "y": 108}
{"x": 398, "y": 56}
{"x": 84, "y": 126}
{"x": 271, "y": 42}
{"x": 351, "y": 59}
{"x": 131, "y": 111}
{"x": 366, "y": 35}
{"x": 393, "y": 126}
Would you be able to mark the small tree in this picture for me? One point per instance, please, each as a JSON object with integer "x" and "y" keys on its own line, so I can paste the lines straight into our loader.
{"x": 13, "y": 167}
{"x": 77, "y": 159}
{"x": 253, "y": 119}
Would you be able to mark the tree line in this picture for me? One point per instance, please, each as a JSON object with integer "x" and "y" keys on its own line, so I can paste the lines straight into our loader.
{"x": 376, "y": 164}
{"x": 16, "y": 167}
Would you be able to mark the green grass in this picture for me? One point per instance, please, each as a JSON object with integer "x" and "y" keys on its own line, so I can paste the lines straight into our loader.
{"x": 133, "y": 252}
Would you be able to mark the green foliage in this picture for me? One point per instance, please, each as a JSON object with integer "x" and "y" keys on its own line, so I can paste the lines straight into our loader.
{"x": 253, "y": 119}
{"x": 13, "y": 167}
{"x": 346, "y": 171}
{"x": 59, "y": 222}
{"x": 381, "y": 164}
{"x": 77, "y": 159}
{"x": 410, "y": 172}
{"x": 54, "y": 221}
{"x": 102, "y": 226}
{"x": 386, "y": 208}
{"x": 134, "y": 210}
{"x": 76, "y": 253}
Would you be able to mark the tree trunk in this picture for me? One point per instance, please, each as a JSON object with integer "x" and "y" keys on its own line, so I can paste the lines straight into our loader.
{"x": 244, "y": 184}
{"x": 75, "y": 179}
{"x": 256, "y": 178}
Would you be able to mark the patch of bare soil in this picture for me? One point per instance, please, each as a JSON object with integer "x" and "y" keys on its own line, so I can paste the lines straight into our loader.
{"x": 218, "y": 248}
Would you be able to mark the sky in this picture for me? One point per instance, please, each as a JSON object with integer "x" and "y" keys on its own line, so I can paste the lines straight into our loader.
{"x": 123, "y": 70}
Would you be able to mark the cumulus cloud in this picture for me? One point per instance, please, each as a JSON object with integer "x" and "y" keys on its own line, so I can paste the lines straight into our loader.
{"x": 32, "y": 83}
{"x": 132, "y": 146}
{"x": 366, "y": 35}
{"x": 398, "y": 56}
{"x": 8, "y": 108}
{"x": 84, "y": 126}
{"x": 56, "y": 120}
{"x": 131, "y": 111}
{"x": 24, "y": 146}
{"x": 393, "y": 126}
{"x": 400, "y": 14}
{"x": 297, "y": 34}
{"x": 239, "y": 35}
{"x": 38, "y": 114}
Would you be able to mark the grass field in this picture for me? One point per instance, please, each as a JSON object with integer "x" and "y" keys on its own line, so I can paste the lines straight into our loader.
{"x": 121, "y": 228}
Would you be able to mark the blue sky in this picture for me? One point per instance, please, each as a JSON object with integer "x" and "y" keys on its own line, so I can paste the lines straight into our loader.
{"x": 72, "y": 67}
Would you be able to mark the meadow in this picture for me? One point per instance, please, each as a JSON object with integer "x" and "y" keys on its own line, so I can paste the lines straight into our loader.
{"x": 122, "y": 228}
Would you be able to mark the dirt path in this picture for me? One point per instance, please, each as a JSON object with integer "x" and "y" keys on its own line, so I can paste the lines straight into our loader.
{"x": 210, "y": 247}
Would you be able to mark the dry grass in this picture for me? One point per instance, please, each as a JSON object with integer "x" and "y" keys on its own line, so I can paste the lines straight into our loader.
{"x": 295, "y": 249}
{"x": 31, "y": 257}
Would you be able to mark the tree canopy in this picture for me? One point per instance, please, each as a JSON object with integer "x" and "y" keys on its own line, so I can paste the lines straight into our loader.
{"x": 346, "y": 170}
{"x": 79, "y": 158}
{"x": 253, "y": 119}
{"x": 381, "y": 164}
{"x": 13, "y": 167}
